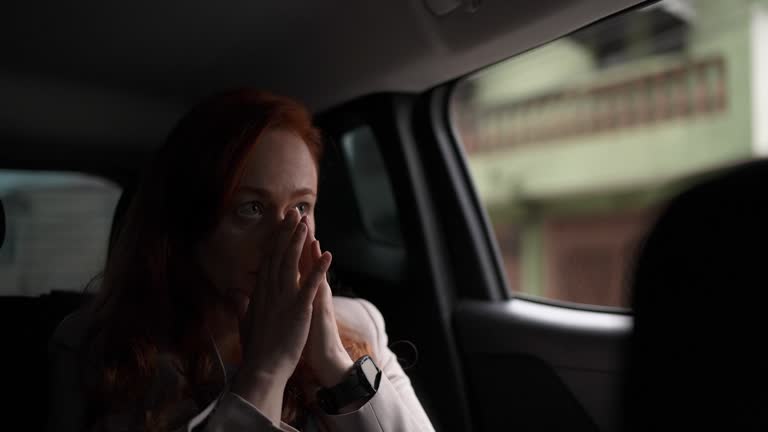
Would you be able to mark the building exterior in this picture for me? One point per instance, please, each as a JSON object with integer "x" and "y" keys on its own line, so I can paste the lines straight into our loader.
{"x": 575, "y": 145}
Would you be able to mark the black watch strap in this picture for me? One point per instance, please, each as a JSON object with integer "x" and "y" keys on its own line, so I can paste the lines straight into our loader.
{"x": 361, "y": 384}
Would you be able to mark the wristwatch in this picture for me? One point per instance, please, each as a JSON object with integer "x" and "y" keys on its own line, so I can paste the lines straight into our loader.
{"x": 361, "y": 384}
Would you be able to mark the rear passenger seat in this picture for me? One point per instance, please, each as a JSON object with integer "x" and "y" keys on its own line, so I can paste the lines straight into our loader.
{"x": 695, "y": 359}
{"x": 28, "y": 322}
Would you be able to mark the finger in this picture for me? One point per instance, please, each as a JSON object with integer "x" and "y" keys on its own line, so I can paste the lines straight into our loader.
{"x": 284, "y": 236}
{"x": 312, "y": 283}
{"x": 316, "y": 250}
{"x": 246, "y": 327}
{"x": 309, "y": 257}
{"x": 305, "y": 261}
{"x": 243, "y": 306}
{"x": 323, "y": 293}
{"x": 290, "y": 265}
{"x": 245, "y": 317}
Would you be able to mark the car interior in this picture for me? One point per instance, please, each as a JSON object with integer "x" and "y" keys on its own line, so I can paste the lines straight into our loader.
{"x": 502, "y": 268}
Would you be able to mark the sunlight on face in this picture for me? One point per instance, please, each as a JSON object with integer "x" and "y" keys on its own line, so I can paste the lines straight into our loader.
{"x": 280, "y": 174}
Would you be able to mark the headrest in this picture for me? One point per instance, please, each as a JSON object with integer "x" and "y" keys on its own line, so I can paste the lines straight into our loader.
{"x": 709, "y": 235}
{"x": 700, "y": 287}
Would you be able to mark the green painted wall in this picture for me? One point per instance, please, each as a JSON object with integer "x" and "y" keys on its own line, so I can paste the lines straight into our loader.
{"x": 610, "y": 171}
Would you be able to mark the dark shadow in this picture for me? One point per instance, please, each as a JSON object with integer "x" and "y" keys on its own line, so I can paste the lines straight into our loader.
{"x": 700, "y": 290}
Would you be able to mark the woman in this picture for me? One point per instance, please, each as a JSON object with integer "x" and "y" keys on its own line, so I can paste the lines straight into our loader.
{"x": 214, "y": 312}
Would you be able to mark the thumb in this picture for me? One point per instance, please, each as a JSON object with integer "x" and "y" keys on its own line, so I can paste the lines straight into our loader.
{"x": 307, "y": 257}
{"x": 324, "y": 294}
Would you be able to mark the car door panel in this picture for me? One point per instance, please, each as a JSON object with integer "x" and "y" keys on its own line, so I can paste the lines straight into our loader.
{"x": 525, "y": 347}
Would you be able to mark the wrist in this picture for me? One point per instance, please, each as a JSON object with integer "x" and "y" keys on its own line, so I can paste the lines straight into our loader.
{"x": 262, "y": 390}
{"x": 249, "y": 380}
{"x": 355, "y": 390}
{"x": 335, "y": 369}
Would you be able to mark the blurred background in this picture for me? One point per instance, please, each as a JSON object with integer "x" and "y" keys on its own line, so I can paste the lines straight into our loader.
{"x": 575, "y": 145}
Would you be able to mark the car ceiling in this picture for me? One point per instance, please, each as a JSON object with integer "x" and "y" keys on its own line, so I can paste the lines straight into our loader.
{"x": 100, "y": 73}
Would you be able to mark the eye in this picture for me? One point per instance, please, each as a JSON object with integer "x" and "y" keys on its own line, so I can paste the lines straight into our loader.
{"x": 303, "y": 208}
{"x": 251, "y": 209}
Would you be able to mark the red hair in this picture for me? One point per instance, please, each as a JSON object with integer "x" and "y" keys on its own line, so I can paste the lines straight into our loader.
{"x": 154, "y": 299}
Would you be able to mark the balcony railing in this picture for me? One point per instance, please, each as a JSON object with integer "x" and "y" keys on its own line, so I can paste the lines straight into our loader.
{"x": 688, "y": 90}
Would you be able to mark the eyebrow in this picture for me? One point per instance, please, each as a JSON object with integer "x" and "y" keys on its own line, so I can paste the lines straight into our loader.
{"x": 266, "y": 193}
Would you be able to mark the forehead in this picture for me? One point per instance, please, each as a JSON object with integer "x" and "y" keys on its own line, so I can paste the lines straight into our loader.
{"x": 280, "y": 162}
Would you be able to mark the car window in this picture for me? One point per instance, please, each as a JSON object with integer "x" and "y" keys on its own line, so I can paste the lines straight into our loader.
{"x": 575, "y": 145}
{"x": 57, "y": 229}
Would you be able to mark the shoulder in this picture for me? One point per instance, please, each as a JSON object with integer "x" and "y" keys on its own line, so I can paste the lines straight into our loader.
{"x": 357, "y": 313}
{"x": 363, "y": 317}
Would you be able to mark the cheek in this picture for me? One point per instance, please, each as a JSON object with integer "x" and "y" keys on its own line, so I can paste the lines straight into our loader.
{"x": 248, "y": 244}
{"x": 252, "y": 252}
{"x": 231, "y": 253}
{"x": 216, "y": 258}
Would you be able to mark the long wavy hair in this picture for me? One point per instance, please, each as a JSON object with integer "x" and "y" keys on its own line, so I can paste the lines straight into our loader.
{"x": 154, "y": 302}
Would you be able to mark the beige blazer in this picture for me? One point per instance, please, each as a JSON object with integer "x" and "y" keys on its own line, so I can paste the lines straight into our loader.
{"x": 394, "y": 408}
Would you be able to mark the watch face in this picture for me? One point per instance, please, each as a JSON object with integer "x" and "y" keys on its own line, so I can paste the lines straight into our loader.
{"x": 371, "y": 372}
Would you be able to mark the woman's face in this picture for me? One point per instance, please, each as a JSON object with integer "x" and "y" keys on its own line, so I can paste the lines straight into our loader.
{"x": 280, "y": 175}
